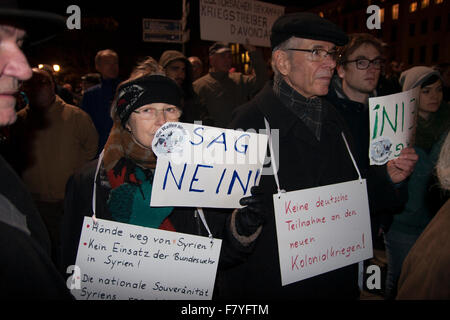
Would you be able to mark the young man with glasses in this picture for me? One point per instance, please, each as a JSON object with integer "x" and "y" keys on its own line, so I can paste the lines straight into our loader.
{"x": 358, "y": 70}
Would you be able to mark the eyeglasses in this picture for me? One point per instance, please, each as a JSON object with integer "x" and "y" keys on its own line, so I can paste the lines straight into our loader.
{"x": 318, "y": 54}
{"x": 363, "y": 64}
{"x": 170, "y": 113}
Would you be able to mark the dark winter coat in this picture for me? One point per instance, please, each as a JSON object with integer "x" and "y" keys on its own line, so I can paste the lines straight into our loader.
{"x": 303, "y": 163}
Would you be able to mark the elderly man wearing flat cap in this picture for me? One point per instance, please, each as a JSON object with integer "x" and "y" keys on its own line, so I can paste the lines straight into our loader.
{"x": 26, "y": 270}
{"x": 312, "y": 152}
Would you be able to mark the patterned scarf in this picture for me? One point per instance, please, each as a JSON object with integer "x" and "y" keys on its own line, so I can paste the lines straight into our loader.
{"x": 308, "y": 110}
{"x": 129, "y": 170}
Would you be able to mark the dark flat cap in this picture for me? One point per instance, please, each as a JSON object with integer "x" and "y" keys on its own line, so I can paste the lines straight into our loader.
{"x": 219, "y": 47}
{"x": 308, "y": 26}
{"x": 39, "y": 25}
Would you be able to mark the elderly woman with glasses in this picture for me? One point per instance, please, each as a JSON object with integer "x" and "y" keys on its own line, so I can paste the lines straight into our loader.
{"x": 124, "y": 176}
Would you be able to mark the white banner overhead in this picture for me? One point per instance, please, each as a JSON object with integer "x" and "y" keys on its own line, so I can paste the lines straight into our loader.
{"x": 238, "y": 21}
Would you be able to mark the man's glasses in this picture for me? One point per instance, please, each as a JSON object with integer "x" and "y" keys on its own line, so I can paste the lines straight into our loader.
{"x": 149, "y": 113}
{"x": 363, "y": 64}
{"x": 318, "y": 54}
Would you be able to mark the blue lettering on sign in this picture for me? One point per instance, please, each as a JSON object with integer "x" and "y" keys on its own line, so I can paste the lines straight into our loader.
{"x": 220, "y": 139}
{"x": 195, "y": 179}
{"x": 169, "y": 167}
{"x": 245, "y": 145}
{"x": 201, "y": 136}
{"x": 236, "y": 176}
{"x": 223, "y": 141}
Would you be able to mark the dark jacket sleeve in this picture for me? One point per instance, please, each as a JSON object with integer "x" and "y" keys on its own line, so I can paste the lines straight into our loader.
{"x": 26, "y": 270}
{"x": 77, "y": 205}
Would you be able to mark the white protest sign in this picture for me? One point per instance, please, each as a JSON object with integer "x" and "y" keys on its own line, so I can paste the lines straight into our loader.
{"x": 119, "y": 261}
{"x": 201, "y": 166}
{"x": 392, "y": 125}
{"x": 322, "y": 229}
{"x": 237, "y": 21}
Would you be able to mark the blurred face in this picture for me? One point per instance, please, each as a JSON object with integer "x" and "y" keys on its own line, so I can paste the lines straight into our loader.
{"x": 40, "y": 90}
{"x": 309, "y": 78}
{"x": 358, "y": 81}
{"x": 197, "y": 67}
{"x": 146, "y": 120}
{"x": 430, "y": 99}
{"x": 221, "y": 62}
{"x": 13, "y": 68}
{"x": 108, "y": 66}
{"x": 176, "y": 70}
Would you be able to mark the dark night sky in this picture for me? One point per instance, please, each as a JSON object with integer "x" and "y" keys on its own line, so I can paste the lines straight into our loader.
{"x": 75, "y": 50}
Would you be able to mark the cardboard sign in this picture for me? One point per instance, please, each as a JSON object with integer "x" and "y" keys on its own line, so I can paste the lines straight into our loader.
{"x": 322, "y": 229}
{"x": 237, "y": 21}
{"x": 201, "y": 166}
{"x": 392, "y": 125}
{"x": 119, "y": 261}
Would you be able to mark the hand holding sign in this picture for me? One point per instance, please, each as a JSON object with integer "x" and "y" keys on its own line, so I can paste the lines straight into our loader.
{"x": 401, "y": 168}
{"x": 253, "y": 215}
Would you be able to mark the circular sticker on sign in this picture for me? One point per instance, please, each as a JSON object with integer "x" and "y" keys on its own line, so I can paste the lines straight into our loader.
{"x": 170, "y": 139}
{"x": 380, "y": 150}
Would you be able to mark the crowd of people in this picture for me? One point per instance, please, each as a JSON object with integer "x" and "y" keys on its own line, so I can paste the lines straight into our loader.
{"x": 57, "y": 147}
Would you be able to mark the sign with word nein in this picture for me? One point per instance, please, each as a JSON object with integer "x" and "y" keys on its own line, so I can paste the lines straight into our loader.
{"x": 236, "y": 21}
{"x": 201, "y": 166}
{"x": 392, "y": 125}
{"x": 322, "y": 229}
{"x": 119, "y": 261}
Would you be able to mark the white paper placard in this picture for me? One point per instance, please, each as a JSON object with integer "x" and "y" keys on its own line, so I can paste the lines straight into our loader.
{"x": 202, "y": 166}
{"x": 322, "y": 229}
{"x": 119, "y": 261}
{"x": 237, "y": 21}
{"x": 392, "y": 125}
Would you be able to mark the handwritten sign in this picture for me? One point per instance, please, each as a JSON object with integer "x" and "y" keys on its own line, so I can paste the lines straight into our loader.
{"x": 392, "y": 125}
{"x": 201, "y": 166}
{"x": 119, "y": 261}
{"x": 235, "y": 21}
{"x": 322, "y": 229}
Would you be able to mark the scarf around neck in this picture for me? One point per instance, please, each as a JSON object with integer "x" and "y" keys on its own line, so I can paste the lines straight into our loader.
{"x": 129, "y": 171}
{"x": 309, "y": 111}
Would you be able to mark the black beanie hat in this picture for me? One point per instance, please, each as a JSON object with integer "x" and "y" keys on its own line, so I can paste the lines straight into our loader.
{"x": 146, "y": 90}
{"x": 306, "y": 25}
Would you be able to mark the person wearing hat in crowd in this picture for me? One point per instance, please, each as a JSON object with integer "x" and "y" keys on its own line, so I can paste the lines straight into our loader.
{"x": 26, "y": 270}
{"x": 358, "y": 68}
{"x": 426, "y": 269}
{"x": 178, "y": 68}
{"x": 125, "y": 175}
{"x": 311, "y": 152}
{"x": 222, "y": 91}
{"x": 433, "y": 123}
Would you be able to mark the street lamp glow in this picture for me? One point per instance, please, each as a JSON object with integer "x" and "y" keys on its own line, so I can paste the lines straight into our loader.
{"x": 56, "y": 68}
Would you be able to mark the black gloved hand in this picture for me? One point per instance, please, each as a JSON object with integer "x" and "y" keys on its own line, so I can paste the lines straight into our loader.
{"x": 253, "y": 215}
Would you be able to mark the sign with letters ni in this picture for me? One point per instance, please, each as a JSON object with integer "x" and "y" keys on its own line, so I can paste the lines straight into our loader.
{"x": 119, "y": 261}
{"x": 201, "y": 166}
{"x": 322, "y": 229}
{"x": 392, "y": 125}
{"x": 236, "y": 21}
